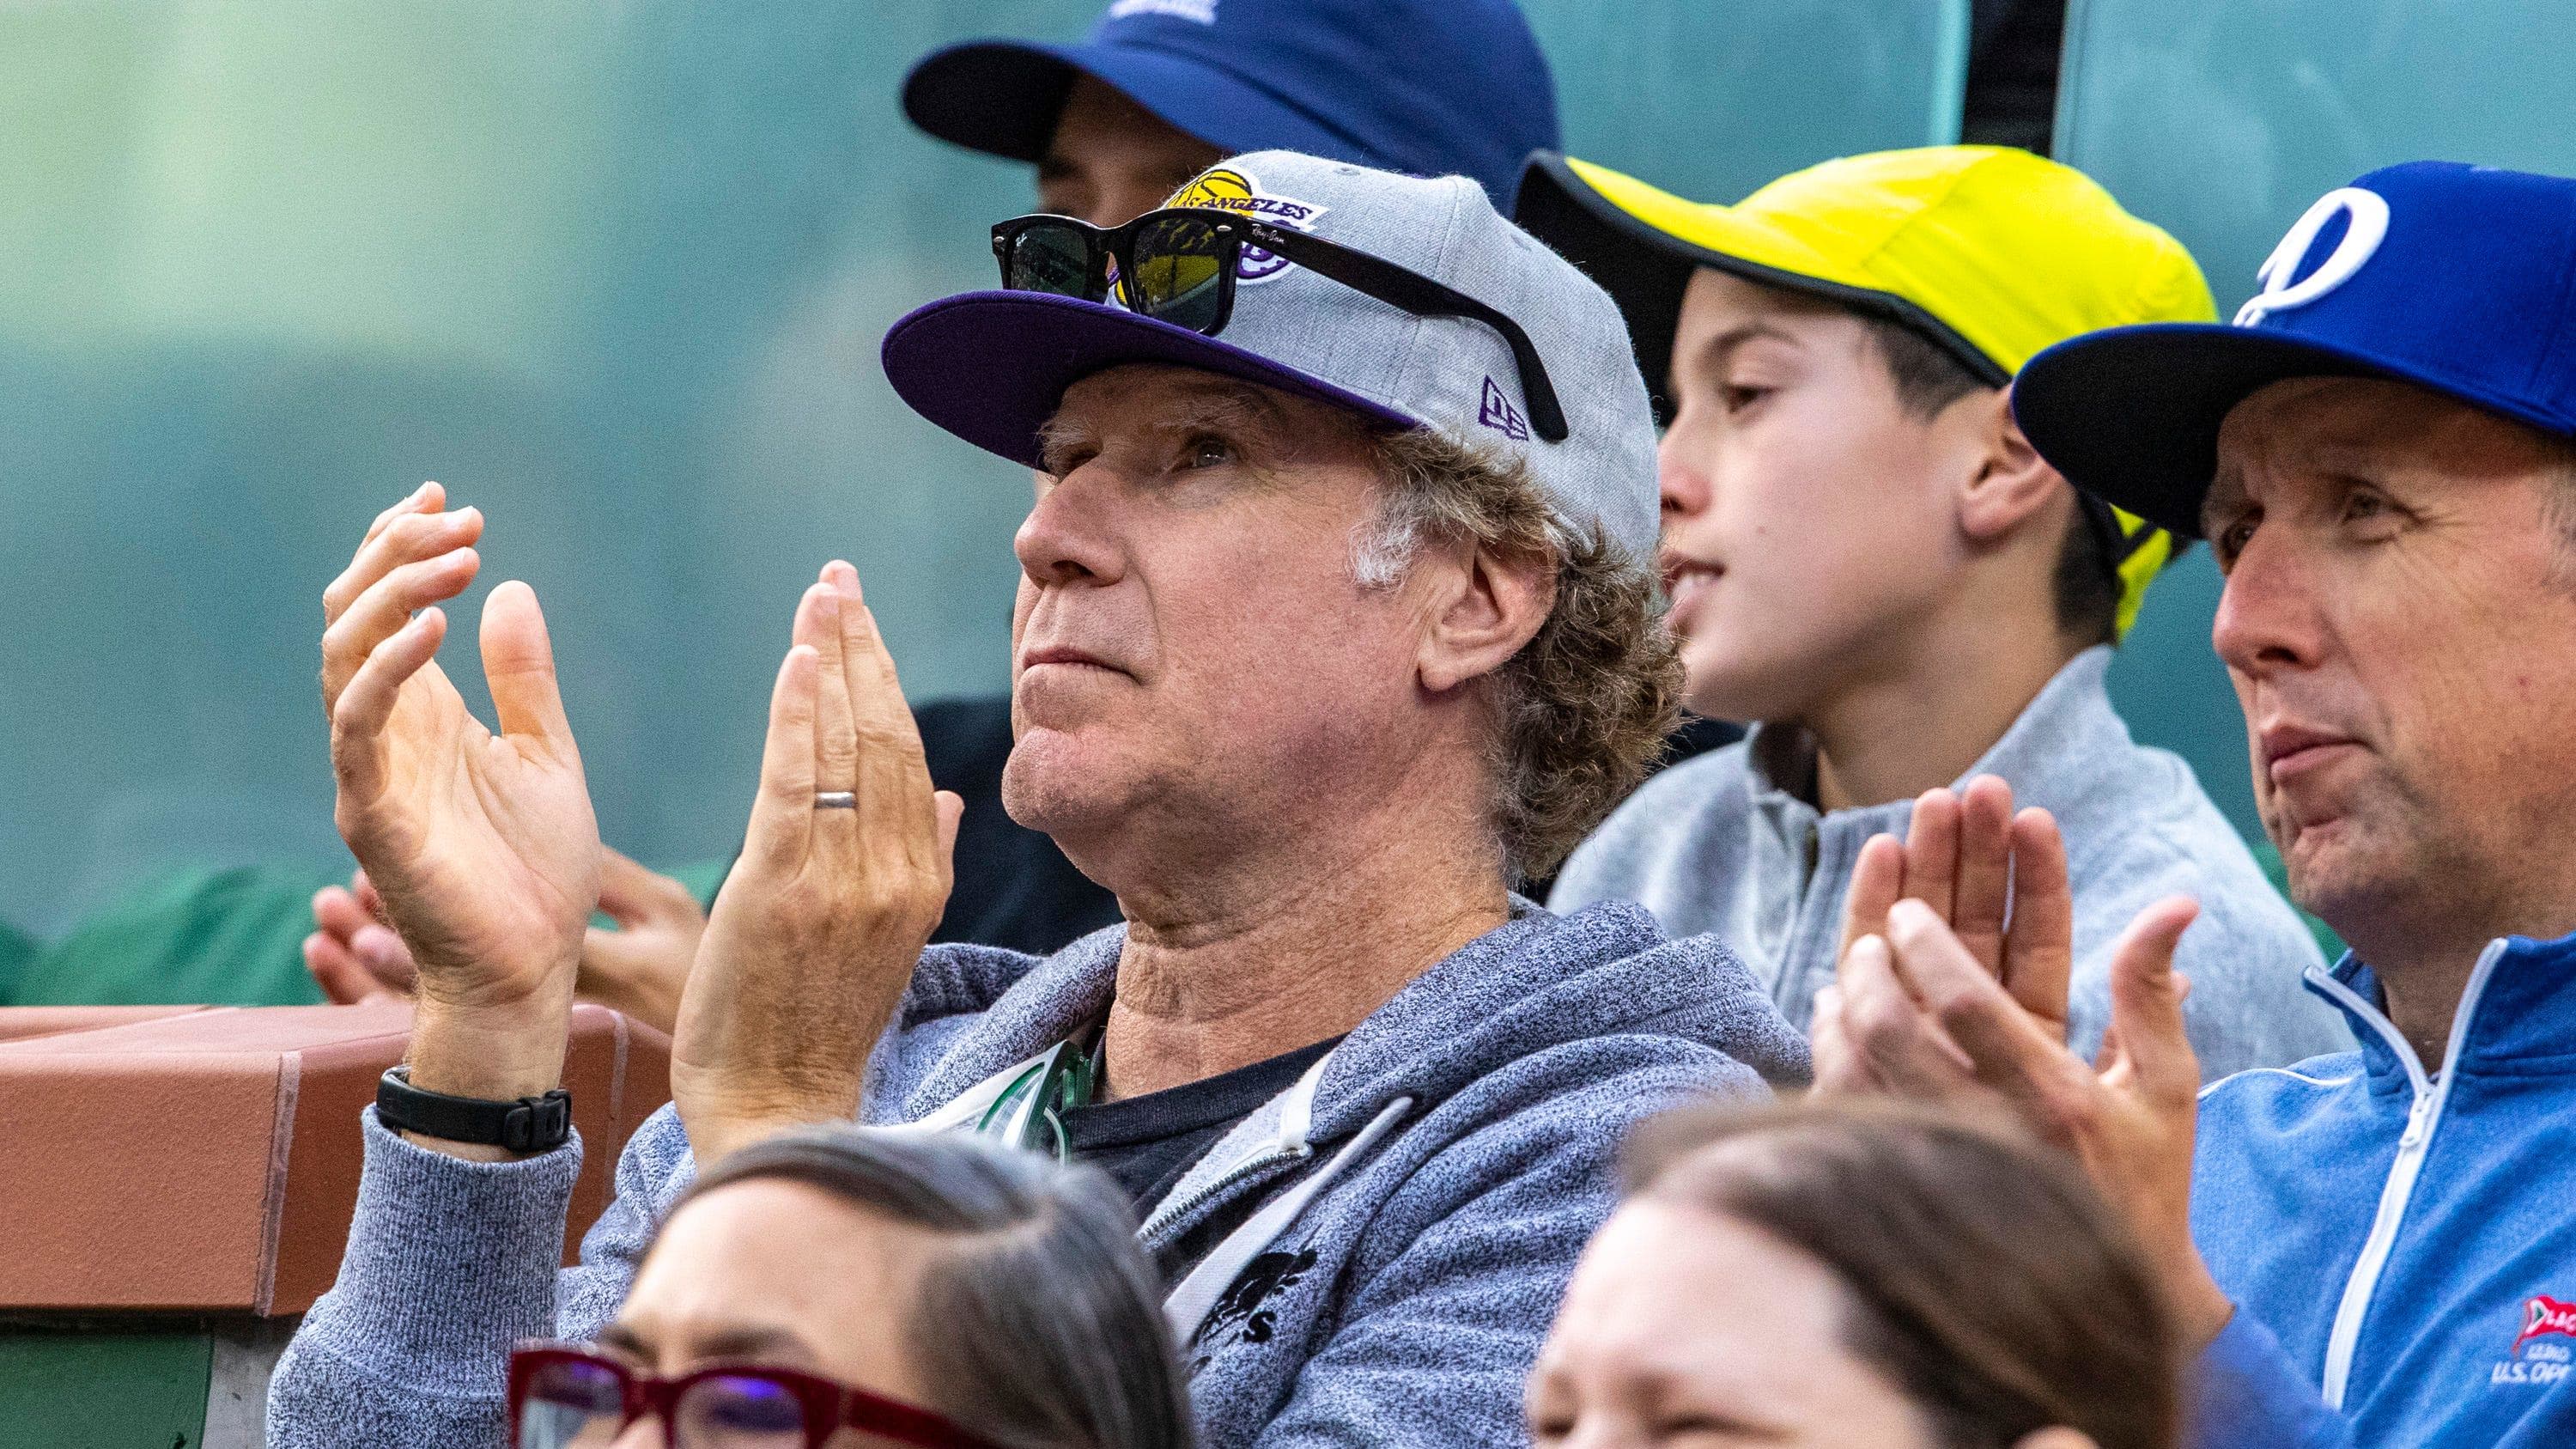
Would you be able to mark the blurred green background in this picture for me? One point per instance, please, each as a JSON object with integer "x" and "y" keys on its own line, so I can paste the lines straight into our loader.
{"x": 615, "y": 273}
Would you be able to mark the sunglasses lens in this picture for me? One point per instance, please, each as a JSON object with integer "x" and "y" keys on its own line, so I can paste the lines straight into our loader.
{"x": 1052, "y": 259}
{"x": 739, "y": 1412}
{"x": 1180, "y": 266}
{"x": 572, "y": 1406}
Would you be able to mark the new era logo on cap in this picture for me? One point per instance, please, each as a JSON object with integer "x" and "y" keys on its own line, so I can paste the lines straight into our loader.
{"x": 1496, "y": 411}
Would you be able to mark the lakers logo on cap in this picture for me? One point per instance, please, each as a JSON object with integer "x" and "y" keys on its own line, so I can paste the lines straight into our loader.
{"x": 1224, "y": 188}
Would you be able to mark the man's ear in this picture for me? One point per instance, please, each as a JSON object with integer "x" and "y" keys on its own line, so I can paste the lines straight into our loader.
{"x": 1478, "y": 609}
{"x": 2012, "y": 483}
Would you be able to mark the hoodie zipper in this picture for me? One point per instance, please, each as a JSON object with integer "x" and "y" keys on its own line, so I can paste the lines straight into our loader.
{"x": 1174, "y": 1209}
{"x": 2423, "y": 1117}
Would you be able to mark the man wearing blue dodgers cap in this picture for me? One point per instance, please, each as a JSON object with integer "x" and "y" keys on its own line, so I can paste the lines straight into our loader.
{"x": 1335, "y": 619}
{"x": 2382, "y": 454}
{"x": 1116, "y": 124}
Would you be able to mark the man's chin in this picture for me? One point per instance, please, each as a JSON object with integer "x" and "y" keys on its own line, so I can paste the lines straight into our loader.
{"x": 2334, "y": 873}
{"x": 1056, "y": 782}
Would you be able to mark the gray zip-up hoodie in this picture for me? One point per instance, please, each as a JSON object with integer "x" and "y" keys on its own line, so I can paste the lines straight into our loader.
{"x": 1403, "y": 1304}
{"x": 1724, "y": 843}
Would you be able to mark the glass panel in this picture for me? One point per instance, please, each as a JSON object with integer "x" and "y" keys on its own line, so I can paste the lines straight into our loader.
{"x": 614, "y": 273}
{"x": 1712, "y": 98}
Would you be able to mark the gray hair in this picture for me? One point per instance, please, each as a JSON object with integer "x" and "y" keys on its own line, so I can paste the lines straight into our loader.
{"x": 1042, "y": 1323}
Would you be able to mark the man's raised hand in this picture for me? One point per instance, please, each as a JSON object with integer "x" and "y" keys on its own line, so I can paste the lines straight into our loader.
{"x": 819, "y": 926}
{"x": 481, "y": 846}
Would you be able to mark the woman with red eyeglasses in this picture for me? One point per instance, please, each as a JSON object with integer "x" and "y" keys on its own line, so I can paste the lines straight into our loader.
{"x": 842, "y": 1287}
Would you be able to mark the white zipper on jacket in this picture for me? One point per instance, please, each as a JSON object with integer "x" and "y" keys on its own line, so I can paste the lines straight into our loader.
{"x": 2423, "y": 1116}
{"x": 1196, "y": 1295}
{"x": 1191, "y": 1300}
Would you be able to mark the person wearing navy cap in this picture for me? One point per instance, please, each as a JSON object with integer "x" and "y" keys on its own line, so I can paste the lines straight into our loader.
{"x": 1116, "y": 124}
{"x": 2381, "y": 452}
{"x": 1417, "y": 87}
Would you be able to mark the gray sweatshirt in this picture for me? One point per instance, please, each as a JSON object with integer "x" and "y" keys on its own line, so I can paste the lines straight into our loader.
{"x": 1402, "y": 1304}
{"x": 1724, "y": 844}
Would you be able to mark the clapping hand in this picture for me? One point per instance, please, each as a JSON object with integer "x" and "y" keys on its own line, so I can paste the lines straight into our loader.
{"x": 843, "y": 876}
{"x": 480, "y": 846}
{"x": 1953, "y": 987}
{"x": 636, "y": 967}
{"x": 1997, "y": 881}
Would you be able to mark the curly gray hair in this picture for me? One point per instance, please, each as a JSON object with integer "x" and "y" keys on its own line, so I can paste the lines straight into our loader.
{"x": 1582, "y": 709}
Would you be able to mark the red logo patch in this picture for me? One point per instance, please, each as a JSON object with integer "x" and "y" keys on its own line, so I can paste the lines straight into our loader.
{"x": 2543, "y": 1316}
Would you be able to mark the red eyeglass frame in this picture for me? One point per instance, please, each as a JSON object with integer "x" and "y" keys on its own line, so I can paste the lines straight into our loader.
{"x": 829, "y": 1405}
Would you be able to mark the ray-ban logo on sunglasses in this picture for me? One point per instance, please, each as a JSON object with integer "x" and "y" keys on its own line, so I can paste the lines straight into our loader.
{"x": 1227, "y": 189}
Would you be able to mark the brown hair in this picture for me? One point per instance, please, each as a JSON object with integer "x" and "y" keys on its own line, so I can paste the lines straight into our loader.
{"x": 1988, "y": 1281}
{"x": 1583, "y": 707}
{"x": 2085, "y": 588}
{"x": 1040, "y": 1325}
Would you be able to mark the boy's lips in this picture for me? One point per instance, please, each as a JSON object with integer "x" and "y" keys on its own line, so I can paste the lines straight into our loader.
{"x": 1678, "y": 570}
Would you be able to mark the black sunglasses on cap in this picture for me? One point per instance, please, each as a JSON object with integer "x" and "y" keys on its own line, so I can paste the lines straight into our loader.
{"x": 1180, "y": 265}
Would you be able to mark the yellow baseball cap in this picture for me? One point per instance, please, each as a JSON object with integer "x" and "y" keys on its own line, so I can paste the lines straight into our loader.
{"x": 1991, "y": 252}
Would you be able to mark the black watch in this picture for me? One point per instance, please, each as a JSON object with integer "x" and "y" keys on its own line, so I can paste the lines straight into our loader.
{"x": 530, "y": 1124}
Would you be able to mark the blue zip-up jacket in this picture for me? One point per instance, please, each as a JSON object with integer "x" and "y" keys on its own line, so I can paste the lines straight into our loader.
{"x": 2410, "y": 1238}
{"x": 1401, "y": 1305}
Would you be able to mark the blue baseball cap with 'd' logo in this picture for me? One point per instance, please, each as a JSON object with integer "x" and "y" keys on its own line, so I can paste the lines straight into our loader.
{"x": 2458, "y": 279}
{"x": 1418, "y": 87}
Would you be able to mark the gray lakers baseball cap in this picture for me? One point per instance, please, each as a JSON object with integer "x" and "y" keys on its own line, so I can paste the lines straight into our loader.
{"x": 992, "y": 367}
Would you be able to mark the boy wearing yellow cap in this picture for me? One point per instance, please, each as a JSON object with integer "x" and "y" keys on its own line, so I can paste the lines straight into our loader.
{"x": 1869, "y": 562}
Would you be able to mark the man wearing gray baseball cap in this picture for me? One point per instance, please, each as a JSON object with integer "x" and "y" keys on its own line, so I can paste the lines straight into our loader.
{"x": 1334, "y": 622}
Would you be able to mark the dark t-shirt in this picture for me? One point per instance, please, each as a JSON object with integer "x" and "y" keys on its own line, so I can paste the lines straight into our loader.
{"x": 1146, "y": 1143}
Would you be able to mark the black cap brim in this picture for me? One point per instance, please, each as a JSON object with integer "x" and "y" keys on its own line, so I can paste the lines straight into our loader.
{"x": 1001, "y": 97}
{"x": 2131, "y": 415}
{"x": 1647, "y": 272}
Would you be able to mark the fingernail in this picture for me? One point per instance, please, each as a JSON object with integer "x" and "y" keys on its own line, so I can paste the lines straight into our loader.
{"x": 373, "y": 944}
{"x": 1909, "y": 913}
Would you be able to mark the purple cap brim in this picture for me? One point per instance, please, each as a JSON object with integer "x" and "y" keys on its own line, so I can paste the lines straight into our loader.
{"x": 992, "y": 367}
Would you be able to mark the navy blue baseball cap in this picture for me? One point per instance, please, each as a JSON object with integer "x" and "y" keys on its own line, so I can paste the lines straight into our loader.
{"x": 2458, "y": 279}
{"x": 1420, "y": 87}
